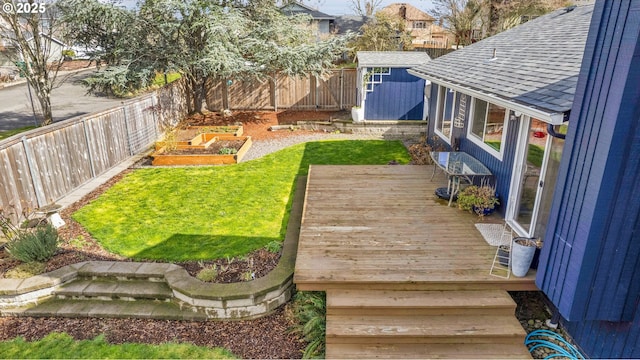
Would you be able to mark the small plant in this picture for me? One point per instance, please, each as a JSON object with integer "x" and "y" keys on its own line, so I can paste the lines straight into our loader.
{"x": 208, "y": 274}
{"x": 478, "y": 199}
{"x": 39, "y": 244}
{"x": 26, "y": 270}
{"x": 310, "y": 309}
{"x": 248, "y": 276}
{"x": 227, "y": 151}
{"x": 79, "y": 242}
{"x": 273, "y": 246}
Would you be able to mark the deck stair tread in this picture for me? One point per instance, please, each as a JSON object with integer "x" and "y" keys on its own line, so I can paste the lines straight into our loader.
{"x": 427, "y": 351}
{"x": 474, "y": 328}
{"x": 411, "y": 324}
{"x": 146, "y": 309}
{"x": 110, "y": 288}
{"x": 360, "y": 302}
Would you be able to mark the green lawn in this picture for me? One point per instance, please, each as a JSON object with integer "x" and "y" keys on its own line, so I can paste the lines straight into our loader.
{"x": 7, "y": 133}
{"x": 63, "y": 346}
{"x": 200, "y": 213}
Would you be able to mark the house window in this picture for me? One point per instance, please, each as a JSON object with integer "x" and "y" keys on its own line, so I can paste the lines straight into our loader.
{"x": 419, "y": 25}
{"x": 444, "y": 117}
{"x": 488, "y": 126}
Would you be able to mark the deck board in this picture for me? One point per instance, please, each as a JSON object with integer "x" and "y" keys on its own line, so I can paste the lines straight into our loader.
{"x": 382, "y": 227}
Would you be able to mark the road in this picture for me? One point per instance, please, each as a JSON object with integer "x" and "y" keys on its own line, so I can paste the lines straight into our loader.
{"x": 68, "y": 100}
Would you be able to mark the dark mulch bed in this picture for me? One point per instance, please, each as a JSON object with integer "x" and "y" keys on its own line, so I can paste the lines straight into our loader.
{"x": 265, "y": 338}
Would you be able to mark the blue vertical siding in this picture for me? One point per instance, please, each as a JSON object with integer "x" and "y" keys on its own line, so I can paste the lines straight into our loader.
{"x": 501, "y": 169}
{"x": 400, "y": 96}
{"x": 590, "y": 264}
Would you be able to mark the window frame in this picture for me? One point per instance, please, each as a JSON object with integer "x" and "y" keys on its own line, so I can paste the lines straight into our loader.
{"x": 474, "y": 138}
{"x": 440, "y": 111}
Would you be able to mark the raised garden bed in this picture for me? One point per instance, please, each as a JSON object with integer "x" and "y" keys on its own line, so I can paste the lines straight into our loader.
{"x": 200, "y": 135}
{"x": 210, "y": 149}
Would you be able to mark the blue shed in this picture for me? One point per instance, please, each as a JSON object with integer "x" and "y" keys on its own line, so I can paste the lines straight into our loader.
{"x": 387, "y": 91}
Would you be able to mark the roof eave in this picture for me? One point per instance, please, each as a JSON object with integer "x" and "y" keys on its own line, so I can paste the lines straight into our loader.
{"x": 548, "y": 116}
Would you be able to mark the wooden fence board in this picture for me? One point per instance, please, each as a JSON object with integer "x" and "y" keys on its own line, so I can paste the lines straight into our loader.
{"x": 337, "y": 91}
{"x": 67, "y": 154}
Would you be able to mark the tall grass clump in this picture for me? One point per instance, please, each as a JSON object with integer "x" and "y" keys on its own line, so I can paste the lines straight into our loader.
{"x": 39, "y": 244}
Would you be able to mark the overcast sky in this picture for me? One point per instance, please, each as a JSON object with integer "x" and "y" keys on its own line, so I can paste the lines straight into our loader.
{"x": 342, "y": 7}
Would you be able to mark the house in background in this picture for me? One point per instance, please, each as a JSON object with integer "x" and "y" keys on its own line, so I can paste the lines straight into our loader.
{"x": 552, "y": 107}
{"x": 504, "y": 100}
{"x": 323, "y": 23}
{"x": 424, "y": 32}
{"x": 386, "y": 90}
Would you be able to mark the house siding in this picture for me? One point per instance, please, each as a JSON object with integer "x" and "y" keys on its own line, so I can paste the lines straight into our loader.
{"x": 400, "y": 96}
{"x": 590, "y": 264}
{"x": 501, "y": 169}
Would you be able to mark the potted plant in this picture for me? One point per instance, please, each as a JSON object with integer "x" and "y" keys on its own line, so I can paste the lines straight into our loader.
{"x": 522, "y": 251}
{"x": 479, "y": 199}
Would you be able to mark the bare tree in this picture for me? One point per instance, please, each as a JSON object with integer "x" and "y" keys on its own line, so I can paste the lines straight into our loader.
{"x": 471, "y": 20}
{"x": 365, "y": 7}
{"x": 28, "y": 28}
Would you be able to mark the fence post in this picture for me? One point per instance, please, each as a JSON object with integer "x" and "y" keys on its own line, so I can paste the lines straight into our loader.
{"x": 155, "y": 119}
{"x": 275, "y": 93}
{"x": 35, "y": 178}
{"x": 86, "y": 138}
{"x": 341, "y": 89}
{"x": 126, "y": 126}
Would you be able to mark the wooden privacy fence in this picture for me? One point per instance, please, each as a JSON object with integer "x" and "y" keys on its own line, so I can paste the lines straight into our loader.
{"x": 43, "y": 165}
{"x": 335, "y": 92}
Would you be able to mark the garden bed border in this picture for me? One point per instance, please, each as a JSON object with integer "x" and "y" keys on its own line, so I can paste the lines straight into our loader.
{"x": 244, "y": 300}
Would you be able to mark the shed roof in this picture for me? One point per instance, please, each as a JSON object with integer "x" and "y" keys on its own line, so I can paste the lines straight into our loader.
{"x": 391, "y": 58}
{"x": 536, "y": 64}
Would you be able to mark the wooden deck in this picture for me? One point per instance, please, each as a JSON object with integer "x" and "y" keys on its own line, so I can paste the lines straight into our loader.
{"x": 381, "y": 227}
{"x": 405, "y": 275}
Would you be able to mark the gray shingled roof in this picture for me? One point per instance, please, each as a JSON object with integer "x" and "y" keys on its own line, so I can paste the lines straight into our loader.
{"x": 297, "y": 8}
{"x": 536, "y": 64}
{"x": 391, "y": 58}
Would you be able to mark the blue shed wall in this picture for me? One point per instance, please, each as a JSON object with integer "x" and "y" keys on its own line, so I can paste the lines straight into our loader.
{"x": 501, "y": 169}
{"x": 590, "y": 264}
{"x": 400, "y": 96}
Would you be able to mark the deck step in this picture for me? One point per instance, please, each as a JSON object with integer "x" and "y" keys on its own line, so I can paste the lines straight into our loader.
{"x": 144, "y": 309}
{"x": 427, "y": 351}
{"x": 111, "y": 289}
{"x": 374, "y": 302}
{"x": 423, "y": 329}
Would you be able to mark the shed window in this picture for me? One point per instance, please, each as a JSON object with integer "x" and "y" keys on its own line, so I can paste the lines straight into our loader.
{"x": 444, "y": 118}
{"x": 488, "y": 126}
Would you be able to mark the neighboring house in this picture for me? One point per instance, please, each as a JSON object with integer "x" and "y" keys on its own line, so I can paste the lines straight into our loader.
{"x": 55, "y": 47}
{"x": 508, "y": 100}
{"x": 349, "y": 23}
{"x": 323, "y": 23}
{"x": 424, "y": 32}
{"x": 387, "y": 91}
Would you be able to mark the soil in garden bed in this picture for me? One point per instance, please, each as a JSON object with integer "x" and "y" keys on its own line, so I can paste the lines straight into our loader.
{"x": 213, "y": 149}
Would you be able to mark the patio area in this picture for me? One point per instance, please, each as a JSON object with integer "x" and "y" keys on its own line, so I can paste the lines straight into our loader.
{"x": 381, "y": 227}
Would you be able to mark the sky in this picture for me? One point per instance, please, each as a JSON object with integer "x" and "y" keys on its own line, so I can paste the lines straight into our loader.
{"x": 344, "y": 7}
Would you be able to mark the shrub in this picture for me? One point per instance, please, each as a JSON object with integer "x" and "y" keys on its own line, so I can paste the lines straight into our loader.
{"x": 208, "y": 274}
{"x": 273, "y": 246}
{"x": 39, "y": 244}
{"x": 310, "y": 309}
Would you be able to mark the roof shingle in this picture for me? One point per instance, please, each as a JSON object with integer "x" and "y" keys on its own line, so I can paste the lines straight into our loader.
{"x": 536, "y": 63}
